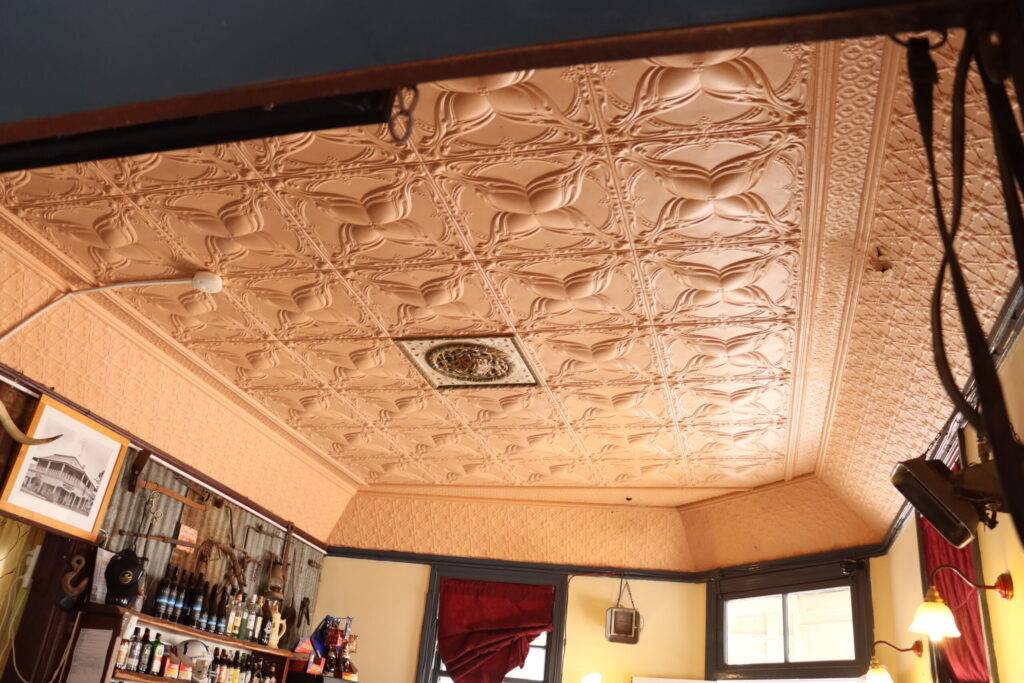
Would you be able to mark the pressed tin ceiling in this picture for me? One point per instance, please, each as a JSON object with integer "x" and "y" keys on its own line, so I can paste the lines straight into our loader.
{"x": 676, "y": 244}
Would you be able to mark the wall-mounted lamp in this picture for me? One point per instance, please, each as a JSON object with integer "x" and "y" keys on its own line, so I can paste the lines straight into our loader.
{"x": 933, "y": 617}
{"x": 877, "y": 673}
{"x": 203, "y": 281}
{"x": 591, "y": 678}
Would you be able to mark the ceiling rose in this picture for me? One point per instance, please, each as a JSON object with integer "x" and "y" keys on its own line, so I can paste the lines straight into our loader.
{"x": 469, "y": 361}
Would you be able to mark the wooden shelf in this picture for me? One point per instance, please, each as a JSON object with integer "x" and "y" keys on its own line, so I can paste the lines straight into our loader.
{"x": 136, "y": 677}
{"x": 172, "y": 627}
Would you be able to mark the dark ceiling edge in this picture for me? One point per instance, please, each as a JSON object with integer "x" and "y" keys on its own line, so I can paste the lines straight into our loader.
{"x": 843, "y": 555}
{"x": 913, "y": 15}
{"x": 22, "y": 382}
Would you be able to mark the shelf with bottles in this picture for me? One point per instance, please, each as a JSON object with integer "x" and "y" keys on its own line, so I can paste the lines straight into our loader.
{"x": 218, "y": 609}
{"x": 173, "y": 657}
{"x": 162, "y": 626}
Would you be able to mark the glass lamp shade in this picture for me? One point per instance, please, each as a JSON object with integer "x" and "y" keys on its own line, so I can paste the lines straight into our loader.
{"x": 877, "y": 673}
{"x": 934, "y": 619}
{"x": 591, "y": 678}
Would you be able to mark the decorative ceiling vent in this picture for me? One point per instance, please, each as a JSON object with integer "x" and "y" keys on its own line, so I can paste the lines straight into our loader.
{"x": 449, "y": 362}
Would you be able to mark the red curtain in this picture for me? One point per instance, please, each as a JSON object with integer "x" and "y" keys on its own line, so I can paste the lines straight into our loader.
{"x": 966, "y": 656}
{"x": 485, "y": 628}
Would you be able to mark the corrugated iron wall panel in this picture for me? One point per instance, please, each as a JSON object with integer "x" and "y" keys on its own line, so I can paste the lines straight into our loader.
{"x": 226, "y": 523}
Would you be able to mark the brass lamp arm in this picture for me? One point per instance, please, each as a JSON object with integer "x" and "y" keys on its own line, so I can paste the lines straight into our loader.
{"x": 1003, "y": 584}
{"x": 917, "y": 648}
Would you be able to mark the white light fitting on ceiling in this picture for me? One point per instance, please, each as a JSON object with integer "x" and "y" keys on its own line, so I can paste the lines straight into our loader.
{"x": 203, "y": 281}
{"x": 450, "y": 362}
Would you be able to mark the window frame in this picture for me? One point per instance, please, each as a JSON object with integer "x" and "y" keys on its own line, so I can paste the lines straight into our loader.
{"x": 428, "y": 667}
{"x": 852, "y": 574}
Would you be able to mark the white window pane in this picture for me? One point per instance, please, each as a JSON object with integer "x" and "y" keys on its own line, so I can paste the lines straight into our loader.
{"x": 753, "y": 630}
{"x": 444, "y": 679}
{"x": 533, "y": 668}
{"x": 541, "y": 640}
{"x": 820, "y": 625}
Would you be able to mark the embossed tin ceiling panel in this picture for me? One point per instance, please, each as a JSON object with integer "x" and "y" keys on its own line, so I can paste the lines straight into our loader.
{"x": 676, "y": 244}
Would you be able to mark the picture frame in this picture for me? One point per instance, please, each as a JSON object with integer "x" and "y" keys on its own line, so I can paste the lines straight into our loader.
{"x": 65, "y": 485}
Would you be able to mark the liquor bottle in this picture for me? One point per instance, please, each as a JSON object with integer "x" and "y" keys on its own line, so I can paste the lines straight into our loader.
{"x": 145, "y": 650}
{"x": 240, "y": 616}
{"x": 175, "y": 607}
{"x": 185, "y": 610}
{"x": 222, "y": 670}
{"x": 272, "y": 674}
{"x": 156, "y": 659}
{"x": 194, "y": 596}
{"x": 124, "y": 648}
{"x": 243, "y": 672}
{"x": 251, "y": 613}
{"x": 122, "y": 653}
{"x": 222, "y": 612}
{"x": 214, "y": 666}
{"x": 236, "y": 667}
{"x": 210, "y": 607}
{"x": 198, "y": 605}
{"x": 163, "y": 592}
{"x": 256, "y": 632}
{"x": 230, "y": 611}
{"x": 132, "y": 663}
{"x": 268, "y": 623}
{"x": 243, "y": 619}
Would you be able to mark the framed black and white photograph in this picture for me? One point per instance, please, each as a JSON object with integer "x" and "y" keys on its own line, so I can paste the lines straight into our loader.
{"x": 65, "y": 484}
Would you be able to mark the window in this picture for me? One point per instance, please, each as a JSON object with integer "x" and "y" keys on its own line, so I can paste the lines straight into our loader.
{"x": 544, "y": 661}
{"x": 532, "y": 671}
{"x": 805, "y": 626}
{"x": 811, "y": 622}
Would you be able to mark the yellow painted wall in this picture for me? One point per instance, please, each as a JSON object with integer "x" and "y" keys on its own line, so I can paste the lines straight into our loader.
{"x": 895, "y": 593}
{"x": 386, "y": 599}
{"x": 16, "y": 541}
{"x": 1001, "y": 549}
{"x": 671, "y": 644}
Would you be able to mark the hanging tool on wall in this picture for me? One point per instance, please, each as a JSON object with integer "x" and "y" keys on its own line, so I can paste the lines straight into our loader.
{"x": 135, "y": 482}
{"x": 277, "y": 580}
{"x": 73, "y": 589}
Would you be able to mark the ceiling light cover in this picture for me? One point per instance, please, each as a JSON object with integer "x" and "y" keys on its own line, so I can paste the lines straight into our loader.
{"x": 448, "y": 362}
{"x": 878, "y": 673}
{"x": 934, "y": 619}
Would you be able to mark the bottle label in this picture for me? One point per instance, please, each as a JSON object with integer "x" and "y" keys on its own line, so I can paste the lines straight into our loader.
{"x": 158, "y": 655}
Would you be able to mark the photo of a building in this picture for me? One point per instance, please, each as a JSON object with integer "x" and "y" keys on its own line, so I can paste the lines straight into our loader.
{"x": 61, "y": 480}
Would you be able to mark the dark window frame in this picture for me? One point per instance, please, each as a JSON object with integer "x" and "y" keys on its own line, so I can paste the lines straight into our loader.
{"x": 853, "y": 574}
{"x": 427, "y": 666}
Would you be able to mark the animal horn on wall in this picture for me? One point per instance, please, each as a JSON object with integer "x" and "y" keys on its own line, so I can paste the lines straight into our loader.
{"x": 12, "y": 430}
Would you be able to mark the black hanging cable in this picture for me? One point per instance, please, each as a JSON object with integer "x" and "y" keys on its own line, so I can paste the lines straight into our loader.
{"x": 991, "y": 419}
